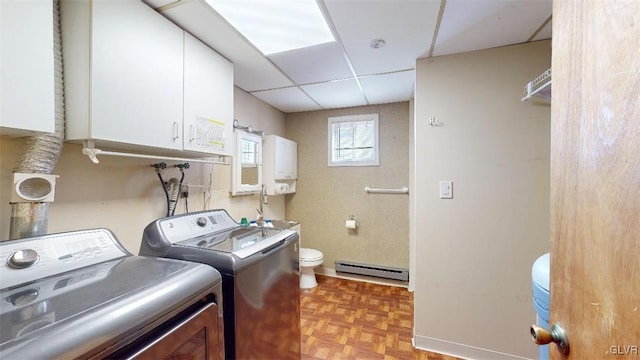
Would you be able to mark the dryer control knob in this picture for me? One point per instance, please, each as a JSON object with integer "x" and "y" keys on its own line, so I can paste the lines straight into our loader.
{"x": 202, "y": 221}
{"x": 23, "y": 258}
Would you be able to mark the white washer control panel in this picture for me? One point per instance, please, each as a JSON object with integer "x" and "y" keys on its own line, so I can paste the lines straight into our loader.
{"x": 27, "y": 260}
{"x": 184, "y": 227}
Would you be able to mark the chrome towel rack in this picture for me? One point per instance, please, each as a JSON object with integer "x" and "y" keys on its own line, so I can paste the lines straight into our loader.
{"x": 404, "y": 190}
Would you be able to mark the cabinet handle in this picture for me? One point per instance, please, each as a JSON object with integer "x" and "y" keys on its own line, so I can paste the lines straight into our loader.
{"x": 192, "y": 133}
{"x": 175, "y": 131}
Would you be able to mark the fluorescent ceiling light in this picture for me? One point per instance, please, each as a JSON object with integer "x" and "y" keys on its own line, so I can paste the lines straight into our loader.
{"x": 274, "y": 26}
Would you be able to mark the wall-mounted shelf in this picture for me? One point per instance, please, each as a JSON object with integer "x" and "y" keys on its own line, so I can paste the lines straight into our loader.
{"x": 540, "y": 86}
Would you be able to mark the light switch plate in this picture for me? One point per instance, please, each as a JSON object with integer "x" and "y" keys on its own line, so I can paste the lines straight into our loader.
{"x": 446, "y": 189}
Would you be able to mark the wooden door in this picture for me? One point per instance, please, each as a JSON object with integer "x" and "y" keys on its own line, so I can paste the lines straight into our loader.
{"x": 595, "y": 178}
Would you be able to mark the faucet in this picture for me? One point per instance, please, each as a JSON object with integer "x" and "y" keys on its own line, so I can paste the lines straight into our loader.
{"x": 263, "y": 199}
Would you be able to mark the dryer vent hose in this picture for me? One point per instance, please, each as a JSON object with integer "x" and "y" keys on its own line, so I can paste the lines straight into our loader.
{"x": 42, "y": 152}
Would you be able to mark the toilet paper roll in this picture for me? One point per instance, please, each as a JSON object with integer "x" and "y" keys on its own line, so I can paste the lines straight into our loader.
{"x": 350, "y": 224}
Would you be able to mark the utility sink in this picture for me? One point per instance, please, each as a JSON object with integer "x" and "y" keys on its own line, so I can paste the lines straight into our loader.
{"x": 279, "y": 224}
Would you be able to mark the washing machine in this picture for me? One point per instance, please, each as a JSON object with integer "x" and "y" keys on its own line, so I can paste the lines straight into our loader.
{"x": 260, "y": 277}
{"x": 82, "y": 295}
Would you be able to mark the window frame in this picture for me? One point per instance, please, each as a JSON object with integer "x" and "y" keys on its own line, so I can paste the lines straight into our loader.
{"x": 375, "y": 161}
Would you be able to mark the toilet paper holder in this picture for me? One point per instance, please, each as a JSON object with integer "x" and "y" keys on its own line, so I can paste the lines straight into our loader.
{"x": 351, "y": 223}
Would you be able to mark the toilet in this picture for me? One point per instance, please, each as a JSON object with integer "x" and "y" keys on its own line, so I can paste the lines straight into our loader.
{"x": 309, "y": 259}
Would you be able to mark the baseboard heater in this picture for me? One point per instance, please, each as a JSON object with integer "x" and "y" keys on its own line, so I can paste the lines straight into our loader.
{"x": 386, "y": 272}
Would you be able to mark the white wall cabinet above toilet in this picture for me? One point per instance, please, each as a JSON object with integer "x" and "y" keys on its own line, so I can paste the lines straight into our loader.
{"x": 130, "y": 80}
{"x": 280, "y": 161}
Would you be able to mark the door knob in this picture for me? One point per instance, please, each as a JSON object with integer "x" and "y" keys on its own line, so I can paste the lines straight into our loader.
{"x": 557, "y": 335}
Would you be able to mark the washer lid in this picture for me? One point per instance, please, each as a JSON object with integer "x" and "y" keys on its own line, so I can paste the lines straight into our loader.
{"x": 87, "y": 310}
{"x": 240, "y": 241}
{"x": 540, "y": 271}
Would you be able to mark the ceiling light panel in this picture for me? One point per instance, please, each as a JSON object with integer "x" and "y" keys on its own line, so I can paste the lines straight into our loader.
{"x": 274, "y": 26}
{"x": 252, "y": 71}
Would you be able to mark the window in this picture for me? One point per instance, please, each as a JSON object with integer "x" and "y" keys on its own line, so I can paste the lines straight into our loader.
{"x": 353, "y": 140}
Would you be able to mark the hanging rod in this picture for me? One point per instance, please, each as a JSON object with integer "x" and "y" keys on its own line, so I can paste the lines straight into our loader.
{"x": 404, "y": 190}
{"x": 249, "y": 129}
{"x": 91, "y": 152}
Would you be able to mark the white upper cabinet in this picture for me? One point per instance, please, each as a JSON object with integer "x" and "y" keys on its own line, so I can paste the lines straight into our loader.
{"x": 26, "y": 68}
{"x": 133, "y": 78}
{"x": 280, "y": 169}
{"x": 123, "y": 73}
{"x": 285, "y": 156}
{"x": 208, "y": 99}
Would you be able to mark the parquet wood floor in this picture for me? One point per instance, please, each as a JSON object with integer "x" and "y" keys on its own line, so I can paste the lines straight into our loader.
{"x": 347, "y": 319}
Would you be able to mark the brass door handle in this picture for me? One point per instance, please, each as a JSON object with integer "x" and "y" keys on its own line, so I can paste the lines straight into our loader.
{"x": 557, "y": 335}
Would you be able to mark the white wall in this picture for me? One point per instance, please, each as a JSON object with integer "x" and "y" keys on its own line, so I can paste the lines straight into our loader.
{"x": 124, "y": 194}
{"x": 474, "y": 252}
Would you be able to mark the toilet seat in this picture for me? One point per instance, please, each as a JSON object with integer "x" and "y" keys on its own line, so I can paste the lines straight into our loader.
{"x": 309, "y": 255}
{"x": 309, "y": 259}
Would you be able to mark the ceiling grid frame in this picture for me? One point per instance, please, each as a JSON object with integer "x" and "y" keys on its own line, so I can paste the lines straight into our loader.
{"x": 411, "y": 29}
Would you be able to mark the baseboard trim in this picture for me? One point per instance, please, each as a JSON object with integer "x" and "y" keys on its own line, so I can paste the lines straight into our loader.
{"x": 460, "y": 350}
{"x": 321, "y": 270}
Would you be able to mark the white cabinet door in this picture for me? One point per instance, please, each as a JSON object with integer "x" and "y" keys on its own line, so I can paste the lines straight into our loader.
{"x": 281, "y": 159}
{"x": 123, "y": 73}
{"x": 208, "y": 99}
{"x": 293, "y": 159}
{"x": 136, "y": 74}
{"x": 26, "y": 67}
{"x": 285, "y": 158}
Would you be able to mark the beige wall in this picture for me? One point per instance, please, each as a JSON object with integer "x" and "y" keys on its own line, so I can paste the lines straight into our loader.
{"x": 474, "y": 253}
{"x": 124, "y": 194}
{"x": 326, "y": 196}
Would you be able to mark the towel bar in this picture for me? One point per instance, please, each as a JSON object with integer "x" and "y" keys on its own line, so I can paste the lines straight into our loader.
{"x": 404, "y": 190}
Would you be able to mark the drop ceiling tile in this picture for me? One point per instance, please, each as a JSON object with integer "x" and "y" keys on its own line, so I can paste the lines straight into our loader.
{"x": 545, "y": 33}
{"x": 469, "y": 25}
{"x": 158, "y": 3}
{"x": 287, "y": 100}
{"x": 406, "y": 26}
{"x": 252, "y": 71}
{"x": 388, "y": 88}
{"x": 314, "y": 64}
{"x": 336, "y": 94}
